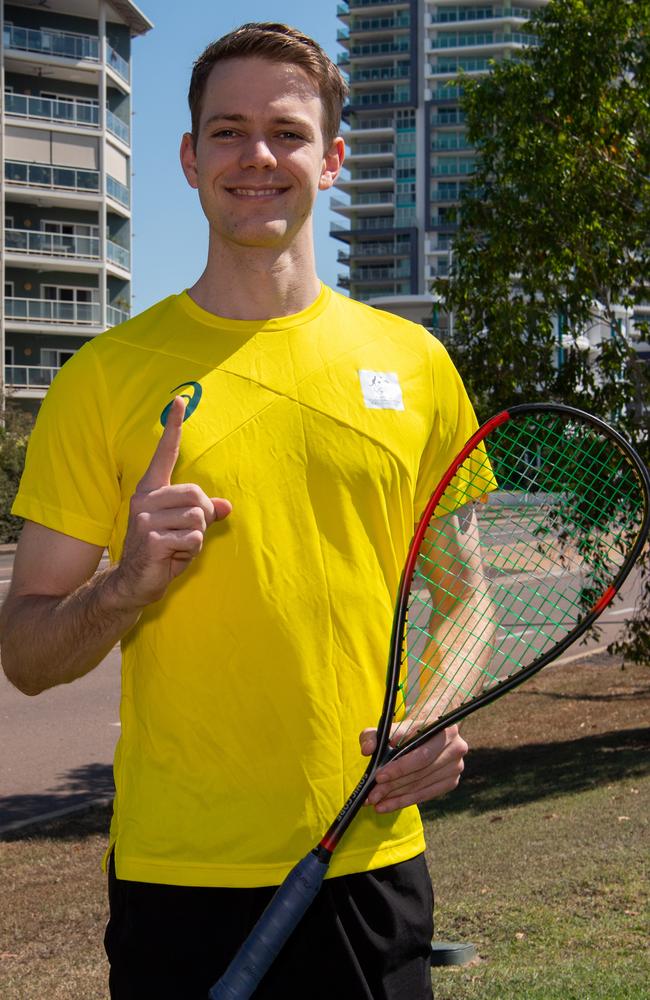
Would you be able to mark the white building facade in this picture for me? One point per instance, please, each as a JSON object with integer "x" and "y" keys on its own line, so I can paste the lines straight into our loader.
{"x": 65, "y": 139}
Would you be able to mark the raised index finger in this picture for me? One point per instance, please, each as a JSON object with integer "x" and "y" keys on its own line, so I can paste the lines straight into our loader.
{"x": 161, "y": 466}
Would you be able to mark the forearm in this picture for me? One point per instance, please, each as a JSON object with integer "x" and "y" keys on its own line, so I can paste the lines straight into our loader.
{"x": 454, "y": 660}
{"x": 49, "y": 640}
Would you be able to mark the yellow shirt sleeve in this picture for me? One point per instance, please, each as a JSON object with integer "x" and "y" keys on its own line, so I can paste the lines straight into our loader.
{"x": 71, "y": 481}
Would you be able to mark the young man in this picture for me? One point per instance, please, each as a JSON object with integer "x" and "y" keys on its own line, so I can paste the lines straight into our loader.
{"x": 255, "y": 628}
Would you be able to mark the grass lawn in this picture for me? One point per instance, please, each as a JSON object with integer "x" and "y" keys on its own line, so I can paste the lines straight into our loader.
{"x": 539, "y": 859}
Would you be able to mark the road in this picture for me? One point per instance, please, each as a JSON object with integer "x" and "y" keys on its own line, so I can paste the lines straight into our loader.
{"x": 57, "y": 748}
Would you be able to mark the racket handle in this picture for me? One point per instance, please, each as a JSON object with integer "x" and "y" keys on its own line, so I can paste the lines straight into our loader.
{"x": 280, "y": 918}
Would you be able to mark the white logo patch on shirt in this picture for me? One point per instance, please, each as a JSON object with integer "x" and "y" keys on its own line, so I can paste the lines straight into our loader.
{"x": 381, "y": 390}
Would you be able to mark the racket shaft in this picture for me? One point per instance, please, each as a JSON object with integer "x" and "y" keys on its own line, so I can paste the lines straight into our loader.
{"x": 280, "y": 918}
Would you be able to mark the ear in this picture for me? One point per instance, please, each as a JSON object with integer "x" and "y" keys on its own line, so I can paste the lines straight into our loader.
{"x": 188, "y": 160}
{"x": 332, "y": 163}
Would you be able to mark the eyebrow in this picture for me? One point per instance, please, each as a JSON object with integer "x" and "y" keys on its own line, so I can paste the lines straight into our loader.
{"x": 222, "y": 116}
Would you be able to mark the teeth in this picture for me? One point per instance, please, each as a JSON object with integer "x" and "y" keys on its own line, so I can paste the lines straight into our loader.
{"x": 256, "y": 192}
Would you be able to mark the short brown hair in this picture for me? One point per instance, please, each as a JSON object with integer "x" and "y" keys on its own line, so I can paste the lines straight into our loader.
{"x": 278, "y": 43}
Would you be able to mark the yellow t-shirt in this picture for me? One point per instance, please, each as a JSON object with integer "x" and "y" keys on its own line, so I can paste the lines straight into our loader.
{"x": 245, "y": 688}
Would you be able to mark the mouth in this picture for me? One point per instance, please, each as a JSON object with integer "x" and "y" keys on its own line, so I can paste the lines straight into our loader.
{"x": 256, "y": 193}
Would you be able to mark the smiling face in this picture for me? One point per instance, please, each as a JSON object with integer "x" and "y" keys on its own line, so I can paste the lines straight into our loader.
{"x": 259, "y": 159}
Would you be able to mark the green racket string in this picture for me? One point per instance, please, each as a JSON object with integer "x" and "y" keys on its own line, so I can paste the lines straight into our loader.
{"x": 552, "y": 511}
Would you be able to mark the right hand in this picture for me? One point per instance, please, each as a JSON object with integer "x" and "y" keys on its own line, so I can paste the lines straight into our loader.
{"x": 166, "y": 523}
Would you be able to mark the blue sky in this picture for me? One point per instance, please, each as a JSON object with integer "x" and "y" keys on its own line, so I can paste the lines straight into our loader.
{"x": 170, "y": 232}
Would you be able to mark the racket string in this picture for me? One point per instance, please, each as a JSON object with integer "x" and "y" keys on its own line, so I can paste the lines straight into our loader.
{"x": 556, "y": 524}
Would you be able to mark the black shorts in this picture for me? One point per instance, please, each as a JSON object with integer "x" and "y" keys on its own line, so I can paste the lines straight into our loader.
{"x": 365, "y": 937}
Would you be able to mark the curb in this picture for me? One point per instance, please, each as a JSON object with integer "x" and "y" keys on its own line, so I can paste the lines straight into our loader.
{"x": 21, "y": 824}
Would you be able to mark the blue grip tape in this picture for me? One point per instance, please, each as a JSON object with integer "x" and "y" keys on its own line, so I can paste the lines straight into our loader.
{"x": 265, "y": 941}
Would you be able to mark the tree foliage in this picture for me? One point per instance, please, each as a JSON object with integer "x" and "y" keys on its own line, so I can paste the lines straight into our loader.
{"x": 14, "y": 435}
{"x": 554, "y": 227}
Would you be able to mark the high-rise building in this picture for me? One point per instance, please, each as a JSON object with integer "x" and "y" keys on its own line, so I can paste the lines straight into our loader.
{"x": 65, "y": 137}
{"x": 408, "y": 156}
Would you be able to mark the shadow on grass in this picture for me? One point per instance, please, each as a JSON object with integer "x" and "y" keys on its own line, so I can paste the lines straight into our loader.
{"x": 76, "y": 789}
{"x": 495, "y": 778}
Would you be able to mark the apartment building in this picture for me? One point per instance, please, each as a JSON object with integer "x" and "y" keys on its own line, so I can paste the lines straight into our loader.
{"x": 408, "y": 155}
{"x": 65, "y": 138}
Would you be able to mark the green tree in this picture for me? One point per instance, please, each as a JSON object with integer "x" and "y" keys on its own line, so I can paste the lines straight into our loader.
{"x": 14, "y": 435}
{"x": 553, "y": 229}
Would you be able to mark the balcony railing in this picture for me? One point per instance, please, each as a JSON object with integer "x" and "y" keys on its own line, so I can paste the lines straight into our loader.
{"x": 454, "y": 166}
{"x": 43, "y": 175}
{"x": 51, "y": 244}
{"x": 118, "y": 191}
{"x": 477, "y": 38}
{"x": 29, "y": 376}
{"x": 63, "y": 110}
{"x": 478, "y": 14}
{"x": 119, "y": 255}
{"x": 115, "y": 315}
{"x": 117, "y": 126}
{"x": 46, "y": 109}
{"x": 372, "y": 148}
{"x": 373, "y": 250}
{"x": 117, "y": 63}
{"x": 52, "y": 43}
{"x": 380, "y": 48}
{"x": 380, "y": 23}
{"x": 52, "y": 311}
{"x": 397, "y": 96}
{"x": 379, "y": 273}
{"x": 399, "y": 72}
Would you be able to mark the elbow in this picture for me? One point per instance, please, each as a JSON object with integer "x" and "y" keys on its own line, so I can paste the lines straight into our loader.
{"x": 14, "y": 667}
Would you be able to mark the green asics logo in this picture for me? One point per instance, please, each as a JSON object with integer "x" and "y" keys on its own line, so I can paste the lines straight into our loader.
{"x": 193, "y": 399}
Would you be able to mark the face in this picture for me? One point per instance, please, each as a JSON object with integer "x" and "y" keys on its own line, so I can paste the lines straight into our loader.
{"x": 260, "y": 159}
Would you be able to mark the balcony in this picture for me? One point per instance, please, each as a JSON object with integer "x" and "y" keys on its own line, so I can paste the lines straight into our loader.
{"x": 33, "y": 377}
{"x": 459, "y": 65}
{"x": 42, "y": 175}
{"x": 399, "y": 95}
{"x": 481, "y": 39}
{"x": 373, "y": 250}
{"x": 46, "y": 41}
{"x": 353, "y": 4}
{"x": 114, "y": 316}
{"x": 42, "y": 244}
{"x": 117, "y": 191}
{"x": 455, "y": 14}
{"x": 46, "y": 109}
{"x": 379, "y": 25}
{"x": 69, "y": 112}
{"x": 117, "y": 127}
{"x": 399, "y": 72}
{"x": 374, "y": 49}
{"x": 364, "y": 274}
{"x": 118, "y": 255}
{"x": 454, "y": 167}
{"x": 119, "y": 65}
{"x": 51, "y": 311}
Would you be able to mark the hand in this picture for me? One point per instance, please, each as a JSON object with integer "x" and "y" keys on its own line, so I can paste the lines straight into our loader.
{"x": 425, "y": 773}
{"x": 166, "y": 523}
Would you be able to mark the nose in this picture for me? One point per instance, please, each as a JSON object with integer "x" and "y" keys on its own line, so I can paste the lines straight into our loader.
{"x": 256, "y": 153}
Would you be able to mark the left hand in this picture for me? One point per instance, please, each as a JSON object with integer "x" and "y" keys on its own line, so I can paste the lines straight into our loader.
{"x": 425, "y": 773}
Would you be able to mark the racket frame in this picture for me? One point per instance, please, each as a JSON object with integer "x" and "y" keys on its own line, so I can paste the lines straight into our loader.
{"x": 383, "y": 753}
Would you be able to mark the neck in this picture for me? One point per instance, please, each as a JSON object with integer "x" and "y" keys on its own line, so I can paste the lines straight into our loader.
{"x": 256, "y": 283}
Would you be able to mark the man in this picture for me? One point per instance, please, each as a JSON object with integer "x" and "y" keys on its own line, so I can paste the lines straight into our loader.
{"x": 255, "y": 628}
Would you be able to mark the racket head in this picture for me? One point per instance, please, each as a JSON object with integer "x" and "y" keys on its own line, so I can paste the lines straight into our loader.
{"x": 559, "y": 504}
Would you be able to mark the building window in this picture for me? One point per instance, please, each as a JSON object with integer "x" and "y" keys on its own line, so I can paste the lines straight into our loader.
{"x": 51, "y": 358}
{"x": 69, "y": 293}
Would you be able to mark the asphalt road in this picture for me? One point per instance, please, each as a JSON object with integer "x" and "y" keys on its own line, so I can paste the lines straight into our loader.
{"x": 57, "y": 748}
